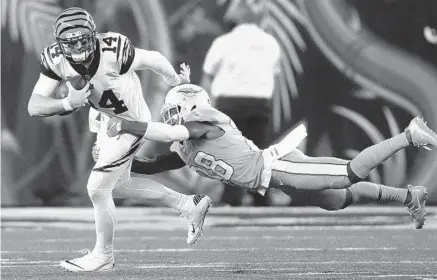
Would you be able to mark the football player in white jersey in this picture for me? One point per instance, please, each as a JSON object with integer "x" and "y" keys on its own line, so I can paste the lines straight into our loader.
{"x": 108, "y": 62}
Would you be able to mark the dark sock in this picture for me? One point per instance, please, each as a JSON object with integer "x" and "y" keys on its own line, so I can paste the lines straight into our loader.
{"x": 367, "y": 191}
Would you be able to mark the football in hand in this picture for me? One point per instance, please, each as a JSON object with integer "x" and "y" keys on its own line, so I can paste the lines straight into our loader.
{"x": 62, "y": 90}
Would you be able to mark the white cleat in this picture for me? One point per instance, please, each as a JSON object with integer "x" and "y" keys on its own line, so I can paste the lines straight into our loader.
{"x": 421, "y": 134}
{"x": 416, "y": 207}
{"x": 196, "y": 217}
{"x": 89, "y": 263}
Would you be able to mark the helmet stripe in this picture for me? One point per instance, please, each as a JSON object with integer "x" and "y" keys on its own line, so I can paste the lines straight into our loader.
{"x": 84, "y": 22}
{"x": 73, "y": 9}
{"x": 85, "y": 19}
{"x": 74, "y": 22}
{"x": 73, "y": 14}
{"x": 73, "y": 27}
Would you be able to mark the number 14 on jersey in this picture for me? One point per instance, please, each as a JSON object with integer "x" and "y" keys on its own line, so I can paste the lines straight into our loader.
{"x": 109, "y": 100}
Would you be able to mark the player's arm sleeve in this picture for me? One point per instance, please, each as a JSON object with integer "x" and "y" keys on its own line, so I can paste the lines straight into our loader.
{"x": 161, "y": 163}
{"x": 156, "y": 62}
{"x": 41, "y": 103}
{"x": 161, "y": 132}
{"x": 213, "y": 58}
{"x": 155, "y": 131}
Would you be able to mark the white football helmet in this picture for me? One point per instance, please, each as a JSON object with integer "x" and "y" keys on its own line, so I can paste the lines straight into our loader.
{"x": 181, "y": 100}
{"x": 75, "y": 32}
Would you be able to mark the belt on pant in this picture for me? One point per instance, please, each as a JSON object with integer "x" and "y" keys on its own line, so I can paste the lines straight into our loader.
{"x": 277, "y": 151}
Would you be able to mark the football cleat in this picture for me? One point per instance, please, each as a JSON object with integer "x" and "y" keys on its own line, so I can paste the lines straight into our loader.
{"x": 196, "y": 217}
{"x": 89, "y": 262}
{"x": 421, "y": 134}
{"x": 416, "y": 207}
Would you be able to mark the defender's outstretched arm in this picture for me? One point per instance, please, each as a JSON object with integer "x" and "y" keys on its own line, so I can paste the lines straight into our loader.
{"x": 159, "y": 132}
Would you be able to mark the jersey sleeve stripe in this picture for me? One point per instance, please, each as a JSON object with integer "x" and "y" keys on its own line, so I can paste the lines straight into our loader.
{"x": 43, "y": 59}
{"x": 127, "y": 57}
{"x": 124, "y": 49}
{"x": 45, "y": 68}
{"x": 49, "y": 73}
{"x": 118, "y": 47}
{"x": 47, "y": 54}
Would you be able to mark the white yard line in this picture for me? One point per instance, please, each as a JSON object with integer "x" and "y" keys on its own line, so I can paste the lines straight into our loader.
{"x": 185, "y": 250}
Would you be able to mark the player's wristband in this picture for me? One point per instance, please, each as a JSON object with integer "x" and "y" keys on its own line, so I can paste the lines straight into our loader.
{"x": 66, "y": 104}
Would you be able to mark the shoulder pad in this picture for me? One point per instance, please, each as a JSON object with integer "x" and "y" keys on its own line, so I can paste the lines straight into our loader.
{"x": 53, "y": 54}
{"x": 49, "y": 63}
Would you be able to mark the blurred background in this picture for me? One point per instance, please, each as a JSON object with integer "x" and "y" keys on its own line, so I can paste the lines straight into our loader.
{"x": 354, "y": 71}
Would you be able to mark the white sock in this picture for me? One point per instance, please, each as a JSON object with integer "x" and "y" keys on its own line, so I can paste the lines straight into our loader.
{"x": 105, "y": 220}
{"x": 157, "y": 193}
{"x": 186, "y": 204}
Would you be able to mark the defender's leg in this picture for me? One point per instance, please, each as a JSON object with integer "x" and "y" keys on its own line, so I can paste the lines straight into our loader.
{"x": 413, "y": 197}
{"x": 318, "y": 173}
{"x": 310, "y": 173}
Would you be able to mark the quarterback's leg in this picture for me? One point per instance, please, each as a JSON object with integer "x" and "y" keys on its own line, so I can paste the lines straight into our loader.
{"x": 114, "y": 159}
{"x": 318, "y": 173}
{"x": 151, "y": 190}
{"x": 132, "y": 185}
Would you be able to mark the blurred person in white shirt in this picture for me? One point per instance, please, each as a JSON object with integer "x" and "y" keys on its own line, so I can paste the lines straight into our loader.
{"x": 240, "y": 72}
